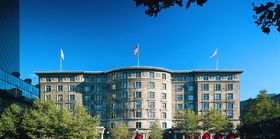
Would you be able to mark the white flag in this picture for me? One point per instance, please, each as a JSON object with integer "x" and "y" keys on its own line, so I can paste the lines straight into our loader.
{"x": 136, "y": 49}
{"x": 215, "y": 53}
{"x": 61, "y": 54}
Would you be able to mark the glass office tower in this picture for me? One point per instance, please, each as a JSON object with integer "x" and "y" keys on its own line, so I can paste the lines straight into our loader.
{"x": 12, "y": 88}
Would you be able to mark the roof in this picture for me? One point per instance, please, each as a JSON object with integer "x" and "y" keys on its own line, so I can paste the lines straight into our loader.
{"x": 141, "y": 68}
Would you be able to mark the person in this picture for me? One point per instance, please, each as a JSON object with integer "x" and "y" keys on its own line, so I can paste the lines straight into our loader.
{"x": 138, "y": 136}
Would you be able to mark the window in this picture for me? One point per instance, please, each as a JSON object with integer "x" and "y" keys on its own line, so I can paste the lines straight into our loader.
{"x": 229, "y": 87}
{"x": 163, "y": 86}
{"x": 138, "y": 94}
{"x": 229, "y": 77}
{"x": 124, "y": 85}
{"x": 205, "y": 87}
{"x": 138, "y": 74}
{"x": 229, "y": 106}
{"x": 59, "y": 106}
{"x": 217, "y": 87}
{"x": 98, "y": 98}
{"x": 138, "y": 104}
{"x": 114, "y": 87}
{"x": 113, "y": 105}
{"x": 98, "y": 88}
{"x": 86, "y": 88}
{"x": 138, "y": 124}
{"x": 205, "y": 77}
{"x": 59, "y": 78}
{"x": 124, "y": 95}
{"x": 152, "y": 124}
{"x": 151, "y": 114}
{"x": 163, "y": 105}
{"x": 163, "y": 76}
{"x": 179, "y": 88}
{"x": 163, "y": 95}
{"x": 113, "y": 116}
{"x": 230, "y": 114}
{"x": 151, "y": 105}
{"x": 205, "y": 96}
{"x": 113, "y": 125}
{"x": 72, "y": 88}
{"x": 180, "y": 97}
{"x": 124, "y": 75}
{"x": 72, "y": 78}
{"x": 138, "y": 114}
{"x": 218, "y": 106}
{"x": 48, "y": 79}
{"x": 190, "y": 88}
{"x": 71, "y": 97}
{"x": 59, "y": 98}
{"x": 86, "y": 98}
{"x": 113, "y": 96}
{"x": 229, "y": 96}
{"x": 152, "y": 95}
{"x": 190, "y": 106}
{"x": 218, "y": 77}
{"x": 48, "y": 97}
{"x": 164, "y": 125}
{"x": 152, "y": 85}
{"x": 98, "y": 107}
{"x": 190, "y": 97}
{"x": 98, "y": 79}
{"x": 205, "y": 106}
{"x": 137, "y": 85}
{"x": 179, "y": 106}
{"x": 163, "y": 115}
{"x": 71, "y": 106}
{"x": 48, "y": 88}
{"x": 60, "y": 88}
{"x": 217, "y": 96}
{"x": 151, "y": 75}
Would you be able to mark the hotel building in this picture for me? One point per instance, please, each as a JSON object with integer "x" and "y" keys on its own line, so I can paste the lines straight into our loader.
{"x": 141, "y": 95}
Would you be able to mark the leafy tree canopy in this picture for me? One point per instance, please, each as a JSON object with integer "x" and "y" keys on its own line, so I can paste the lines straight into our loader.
{"x": 120, "y": 131}
{"x": 266, "y": 15}
{"x": 187, "y": 121}
{"x": 260, "y": 109}
{"x": 214, "y": 121}
{"x": 156, "y": 132}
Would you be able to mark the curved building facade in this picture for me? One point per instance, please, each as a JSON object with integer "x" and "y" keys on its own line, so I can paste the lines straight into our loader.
{"x": 142, "y": 96}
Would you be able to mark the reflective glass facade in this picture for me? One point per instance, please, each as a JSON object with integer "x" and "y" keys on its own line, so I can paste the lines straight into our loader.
{"x": 9, "y": 35}
{"x": 16, "y": 87}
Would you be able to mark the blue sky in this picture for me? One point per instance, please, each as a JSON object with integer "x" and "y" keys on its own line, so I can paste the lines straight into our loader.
{"x": 101, "y": 34}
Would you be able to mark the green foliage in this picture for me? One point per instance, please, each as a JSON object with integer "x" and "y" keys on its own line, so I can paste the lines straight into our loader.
{"x": 44, "y": 120}
{"x": 260, "y": 109}
{"x": 120, "y": 131}
{"x": 214, "y": 122}
{"x": 266, "y": 15}
{"x": 187, "y": 121}
{"x": 156, "y": 132}
{"x": 10, "y": 122}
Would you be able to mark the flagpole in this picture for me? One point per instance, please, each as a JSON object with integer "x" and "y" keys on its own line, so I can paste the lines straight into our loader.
{"x": 138, "y": 54}
{"x": 217, "y": 60}
{"x": 60, "y": 64}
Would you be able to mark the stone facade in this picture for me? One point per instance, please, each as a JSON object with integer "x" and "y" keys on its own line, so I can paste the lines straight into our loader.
{"x": 140, "y": 96}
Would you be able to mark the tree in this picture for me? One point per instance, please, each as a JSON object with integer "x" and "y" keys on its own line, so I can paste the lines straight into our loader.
{"x": 214, "y": 122}
{"x": 10, "y": 122}
{"x": 156, "y": 132}
{"x": 260, "y": 109}
{"x": 45, "y": 120}
{"x": 266, "y": 16}
{"x": 187, "y": 121}
{"x": 83, "y": 125}
{"x": 120, "y": 131}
